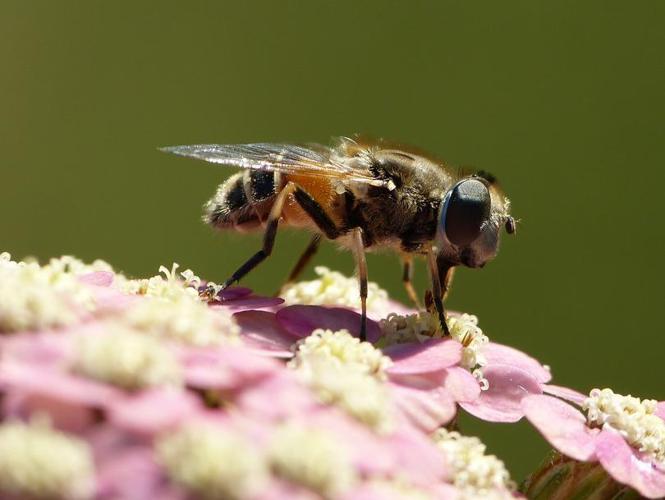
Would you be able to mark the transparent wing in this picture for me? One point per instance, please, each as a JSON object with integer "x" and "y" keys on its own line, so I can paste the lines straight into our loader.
{"x": 313, "y": 159}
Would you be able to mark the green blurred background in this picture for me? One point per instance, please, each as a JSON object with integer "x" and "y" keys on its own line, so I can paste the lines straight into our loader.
{"x": 564, "y": 101}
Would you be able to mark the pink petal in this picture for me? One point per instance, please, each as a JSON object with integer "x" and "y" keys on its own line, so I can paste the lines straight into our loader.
{"x": 500, "y": 354}
{"x": 234, "y": 292}
{"x": 154, "y": 411}
{"x": 359, "y": 441}
{"x": 565, "y": 393}
{"x": 69, "y": 400}
{"x": 660, "y": 410}
{"x": 426, "y": 409}
{"x": 380, "y": 311}
{"x": 260, "y": 330}
{"x": 226, "y": 368}
{"x": 562, "y": 425}
{"x": 418, "y": 458}
{"x": 461, "y": 385}
{"x": 276, "y": 398}
{"x": 61, "y": 385}
{"x": 627, "y": 466}
{"x": 64, "y": 415}
{"x": 133, "y": 474}
{"x": 300, "y": 321}
{"x": 502, "y": 401}
{"x": 430, "y": 356}
{"x": 99, "y": 278}
{"x": 40, "y": 349}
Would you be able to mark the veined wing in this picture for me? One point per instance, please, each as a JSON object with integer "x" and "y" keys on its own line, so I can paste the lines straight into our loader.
{"x": 315, "y": 159}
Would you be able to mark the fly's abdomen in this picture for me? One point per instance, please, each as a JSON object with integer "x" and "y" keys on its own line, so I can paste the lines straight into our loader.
{"x": 243, "y": 201}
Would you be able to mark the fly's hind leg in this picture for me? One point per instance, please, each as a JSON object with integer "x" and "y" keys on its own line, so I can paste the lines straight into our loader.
{"x": 359, "y": 250}
{"x": 407, "y": 279}
{"x": 328, "y": 227}
{"x": 268, "y": 237}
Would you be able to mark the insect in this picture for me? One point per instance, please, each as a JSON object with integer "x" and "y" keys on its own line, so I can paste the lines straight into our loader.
{"x": 365, "y": 195}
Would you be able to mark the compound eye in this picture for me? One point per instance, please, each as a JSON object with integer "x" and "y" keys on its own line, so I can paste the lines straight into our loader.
{"x": 467, "y": 209}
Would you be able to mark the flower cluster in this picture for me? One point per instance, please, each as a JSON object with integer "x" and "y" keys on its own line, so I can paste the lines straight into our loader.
{"x": 167, "y": 387}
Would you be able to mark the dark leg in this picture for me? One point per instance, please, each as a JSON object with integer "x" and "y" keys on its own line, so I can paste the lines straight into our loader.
{"x": 268, "y": 237}
{"x": 303, "y": 261}
{"x": 317, "y": 213}
{"x": 437, "y": 293}
{"x": 359, "y": 250}
{"x": 407, "y": 279}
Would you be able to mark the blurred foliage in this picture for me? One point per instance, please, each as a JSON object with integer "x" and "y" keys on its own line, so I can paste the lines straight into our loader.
{"x": 562, "y": 100}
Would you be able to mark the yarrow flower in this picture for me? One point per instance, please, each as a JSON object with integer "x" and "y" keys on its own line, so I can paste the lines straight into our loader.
{"x": 126, "y": 359}
{"x": 312, "y": 458}
{"x": 424, "y": 325}
{"x": 341, "y": 350}
{"x": 168, "y": 284}
{"x": 346, "y": 372}
{"x": 167, "y": 387}
{"x": 625, "y": 434}
{"x": 36, "y": 298}
{"x": 212, "y": 462}
{"x": 475, "y": 474}
{"x": 37, "y": 461}
{"x": 333, "y": 289}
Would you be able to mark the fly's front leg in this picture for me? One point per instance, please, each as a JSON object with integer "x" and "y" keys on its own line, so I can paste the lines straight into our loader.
{"x": 407, "y": 279}
{"x": 437, "y": 292}
{"x": 268, "y": 237}
{"x": 359, "y": 251}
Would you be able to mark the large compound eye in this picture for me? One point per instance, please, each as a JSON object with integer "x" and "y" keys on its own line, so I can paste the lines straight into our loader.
{"x": 467, "y": 209}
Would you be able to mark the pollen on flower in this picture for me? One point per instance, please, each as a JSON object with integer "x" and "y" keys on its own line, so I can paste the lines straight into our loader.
{"x": 425, "y": 325}
{"x": 342, "y": 350}
{"x": 34, "y": 297}
{"x": 183, "y": 320}
{"x": 212, "y": 462}
{"x": 166, "y": 285}
{"x": 39, "y": 462}
{"x": 69, "y": 264}
{"x": 313, "y": 459}
{"x": 333, "y": 289}
{"x": 125, "y": 358}
{"x": 360, "y": 395}
{"x": 476, "y": 474}
{"x": 398, "y": 329}
{"x": 633, "y": 418}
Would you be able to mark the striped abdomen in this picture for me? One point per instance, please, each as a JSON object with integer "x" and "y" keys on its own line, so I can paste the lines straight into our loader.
{"x": 243, "y": 201}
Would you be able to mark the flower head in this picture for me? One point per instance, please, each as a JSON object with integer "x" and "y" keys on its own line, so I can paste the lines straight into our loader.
{"x": 183, "y": 319}
{"x": 475, "y": 473}
{"x": 623, "y": 433}
{"x": 167, "y": 285}
{"x": 312, "y": 458}
{"x": 35, "y": 298}
{"x": 334, "y": 289}
{"x": 127, "y": 359}
{"x": 212, "y": 462}
{"x": 633, "y": 418}
{"x": 39, "y": 462}
{"x": 341, "y": 350}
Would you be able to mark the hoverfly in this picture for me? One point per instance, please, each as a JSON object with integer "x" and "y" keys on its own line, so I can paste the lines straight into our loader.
{"x": 365, "y": 195}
